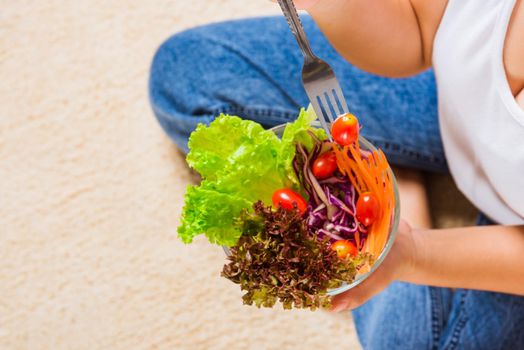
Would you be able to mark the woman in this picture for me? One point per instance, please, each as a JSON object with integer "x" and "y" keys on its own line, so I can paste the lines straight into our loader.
{"x": 447, "y": 288}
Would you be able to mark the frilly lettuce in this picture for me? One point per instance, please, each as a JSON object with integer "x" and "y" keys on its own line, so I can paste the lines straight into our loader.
{"x": 283, "y": 262}
{"x": 211, "y": 212}
{"x": 240, "y": 163}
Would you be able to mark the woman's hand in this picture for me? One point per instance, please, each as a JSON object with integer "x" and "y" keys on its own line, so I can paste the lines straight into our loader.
{"x": 399, "y": 262}
{"x": 484, "y": 258}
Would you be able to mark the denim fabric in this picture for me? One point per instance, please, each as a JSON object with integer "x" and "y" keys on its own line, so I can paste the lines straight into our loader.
{"x": 408, "y": 316}
{"x": 251, "y": 68}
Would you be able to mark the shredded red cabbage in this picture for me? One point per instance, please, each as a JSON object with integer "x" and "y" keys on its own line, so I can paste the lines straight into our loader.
{"x": 332, "y": 201}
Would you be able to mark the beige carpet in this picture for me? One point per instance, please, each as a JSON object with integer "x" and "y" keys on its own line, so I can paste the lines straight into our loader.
{"x": 91, "y": 188}
{"x": 90, "y": 191}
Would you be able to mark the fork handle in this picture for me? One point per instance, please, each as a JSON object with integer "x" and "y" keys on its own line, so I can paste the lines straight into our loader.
{"x": 293, "y": 20}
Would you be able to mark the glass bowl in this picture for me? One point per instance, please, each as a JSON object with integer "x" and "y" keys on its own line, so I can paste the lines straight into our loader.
{"x": 359, "y": 278}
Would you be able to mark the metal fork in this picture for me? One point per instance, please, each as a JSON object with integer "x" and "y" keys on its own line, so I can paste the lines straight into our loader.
{"x": 319, "y": 81}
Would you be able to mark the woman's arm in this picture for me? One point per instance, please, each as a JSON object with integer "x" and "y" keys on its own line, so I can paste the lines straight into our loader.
{"x": 386, "y": 37}
{"x": 485, "y": 258}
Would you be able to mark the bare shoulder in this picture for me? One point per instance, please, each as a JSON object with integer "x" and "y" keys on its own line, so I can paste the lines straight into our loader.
{"x": 429, "y": 15}
{"x": 514, "y": 51}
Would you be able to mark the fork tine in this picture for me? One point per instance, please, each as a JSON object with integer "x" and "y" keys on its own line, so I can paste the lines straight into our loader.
{"x": 324, "y": 98}
{"x": 341, "y": 101}
{"x": 332, "y": 107}
{"x": 321, "y": 115}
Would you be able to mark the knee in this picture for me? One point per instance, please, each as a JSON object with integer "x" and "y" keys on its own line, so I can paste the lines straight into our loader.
{"x": 188, "y": 66}
{"x": 177, "y": 79}
{"x": 172, "y": 61}
{"x": 176, "y": 48}
{"x": 198, "y": 57}
{"x": 190, "y": 52}
{"x": 180, "y": 81}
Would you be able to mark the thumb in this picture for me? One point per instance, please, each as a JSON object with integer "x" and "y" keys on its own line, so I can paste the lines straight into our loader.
{"x": 357, "y": 296}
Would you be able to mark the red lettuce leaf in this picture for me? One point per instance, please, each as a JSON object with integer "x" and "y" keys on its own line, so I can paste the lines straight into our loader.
{"x": 284, "y": 262}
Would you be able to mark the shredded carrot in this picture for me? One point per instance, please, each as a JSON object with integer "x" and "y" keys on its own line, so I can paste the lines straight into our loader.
{"x": 370, "y": 174}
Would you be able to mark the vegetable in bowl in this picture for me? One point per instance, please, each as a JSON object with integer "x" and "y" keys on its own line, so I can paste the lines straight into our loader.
{"x": 303, "y": 217}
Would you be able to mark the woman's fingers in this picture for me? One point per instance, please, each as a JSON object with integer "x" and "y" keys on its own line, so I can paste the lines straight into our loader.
{"x": 397, "y": 263}
{"x": 357, "y": 296}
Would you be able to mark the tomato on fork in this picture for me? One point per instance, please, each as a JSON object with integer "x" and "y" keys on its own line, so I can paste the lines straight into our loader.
{"x": 345, "y": 129}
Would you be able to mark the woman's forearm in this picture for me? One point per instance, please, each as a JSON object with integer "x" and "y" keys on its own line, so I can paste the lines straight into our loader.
{"x": 485, "y": 258}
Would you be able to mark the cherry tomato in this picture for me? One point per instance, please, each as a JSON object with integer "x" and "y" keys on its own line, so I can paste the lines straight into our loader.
{"x": 367, "y": 208}
{"x": 345, "y": 129}
{"x": 287, "y": 198}
{"x": 344, "y": 248}
{"x": 325, "y": 165}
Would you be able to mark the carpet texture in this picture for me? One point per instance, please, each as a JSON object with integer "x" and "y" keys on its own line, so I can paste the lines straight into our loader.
{"x": 91, "y": 190}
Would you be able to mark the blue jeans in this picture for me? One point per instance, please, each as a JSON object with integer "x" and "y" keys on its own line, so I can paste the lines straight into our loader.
{"x": 251, "y": 68}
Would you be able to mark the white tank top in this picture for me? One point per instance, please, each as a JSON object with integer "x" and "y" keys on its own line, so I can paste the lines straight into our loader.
{"x": 482, "y": 125}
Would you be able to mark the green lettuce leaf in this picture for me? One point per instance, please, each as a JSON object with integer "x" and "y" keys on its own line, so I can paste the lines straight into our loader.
{"x": 231, "y": 144}
{"x": 240, "y": 163}
{"x": 211, "y": 212}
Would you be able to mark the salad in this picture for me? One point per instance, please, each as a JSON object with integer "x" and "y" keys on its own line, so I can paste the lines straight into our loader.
{"x": 299, "y": 215}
